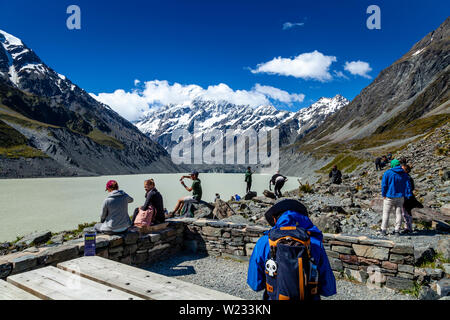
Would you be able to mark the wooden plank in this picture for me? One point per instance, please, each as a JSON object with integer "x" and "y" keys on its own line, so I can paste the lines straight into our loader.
{"x": 51, "y": 283}
{"x": 142, "y": 283}
{"x": 11, "y": 292}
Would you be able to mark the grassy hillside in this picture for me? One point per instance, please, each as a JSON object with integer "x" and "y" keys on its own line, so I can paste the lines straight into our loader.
{"x": 30, "y": 111}
{"x": 14, "y": 145}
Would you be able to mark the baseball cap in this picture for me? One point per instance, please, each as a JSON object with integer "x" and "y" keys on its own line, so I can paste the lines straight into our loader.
{"x": 111, "y": 184}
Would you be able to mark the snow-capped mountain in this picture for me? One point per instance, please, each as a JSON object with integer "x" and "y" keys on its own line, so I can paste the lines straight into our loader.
{"x": 63, "y": 124}
{"x": 309, "y": 118}
{"x": 159, "y": 124}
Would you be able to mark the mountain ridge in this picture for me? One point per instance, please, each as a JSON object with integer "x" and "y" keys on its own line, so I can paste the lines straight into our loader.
{"x": 65, "y": 123}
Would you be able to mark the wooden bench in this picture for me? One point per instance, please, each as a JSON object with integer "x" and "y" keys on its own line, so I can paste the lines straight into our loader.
{"x": 139, "y": 282}
{"x": 11, "y": 292}
{"x": 51, "y": 283}
{"x": 96, "y": 278}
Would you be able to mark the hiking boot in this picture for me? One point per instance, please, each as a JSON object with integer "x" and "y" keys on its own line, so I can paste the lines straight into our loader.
{"x": 383, "y": 233}
{"x": 396, "y": 233}
{"x": 406, "y": 231}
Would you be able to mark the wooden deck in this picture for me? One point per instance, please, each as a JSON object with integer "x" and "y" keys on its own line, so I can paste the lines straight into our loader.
{"x": 96, "y": 278}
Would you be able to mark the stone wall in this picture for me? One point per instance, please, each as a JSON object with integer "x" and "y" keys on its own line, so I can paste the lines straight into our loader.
{"x": 130, "y": 248}
{"x": 372, "y": 261}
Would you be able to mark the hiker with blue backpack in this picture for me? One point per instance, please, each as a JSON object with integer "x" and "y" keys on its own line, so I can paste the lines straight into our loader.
{"x": 289, "y": 262}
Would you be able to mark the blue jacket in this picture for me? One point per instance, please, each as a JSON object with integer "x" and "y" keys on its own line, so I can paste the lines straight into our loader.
{"x": 256, "y": 277}
{"x": 396, "y": 184}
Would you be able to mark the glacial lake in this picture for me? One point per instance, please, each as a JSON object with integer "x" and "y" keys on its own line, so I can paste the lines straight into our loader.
{"x": 57, "y": 204}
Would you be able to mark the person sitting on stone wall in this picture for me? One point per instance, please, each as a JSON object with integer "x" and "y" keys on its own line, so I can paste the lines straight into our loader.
{"x": 152, "y": 198}
{"x": 114, "y": 218}
{"x": 196, "y": 189}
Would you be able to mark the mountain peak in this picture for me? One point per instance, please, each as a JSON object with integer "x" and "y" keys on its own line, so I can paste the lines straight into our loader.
{"x": 9, "y": 39}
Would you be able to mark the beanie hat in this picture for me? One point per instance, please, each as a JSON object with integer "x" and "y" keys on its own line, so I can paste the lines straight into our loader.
{"x": 395, "y": 163}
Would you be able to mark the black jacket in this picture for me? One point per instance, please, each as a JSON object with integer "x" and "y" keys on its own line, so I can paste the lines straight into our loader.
{"x": 336, "y": 176}
{"x": 154, "y": 198}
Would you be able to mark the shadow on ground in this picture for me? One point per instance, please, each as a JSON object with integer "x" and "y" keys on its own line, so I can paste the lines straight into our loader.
{"x": 174, "y": 269}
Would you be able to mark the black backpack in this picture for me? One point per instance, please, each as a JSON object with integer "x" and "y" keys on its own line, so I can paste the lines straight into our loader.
{"x": 291, "y": 272}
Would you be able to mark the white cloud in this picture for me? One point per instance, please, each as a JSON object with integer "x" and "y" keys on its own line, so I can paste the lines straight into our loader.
{"x": 289, "y": 25}
{"x": 129, "y": 105}
{"x": 312, "y": 65}
{"x": 359, "y": 68}
{"x": 340, "y": 74}
{"x": 278, "y": 94}
{"x": 132, "y": 105}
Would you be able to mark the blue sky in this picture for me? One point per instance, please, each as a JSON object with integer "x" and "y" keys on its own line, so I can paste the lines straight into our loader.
{"x": 205, "y": 43}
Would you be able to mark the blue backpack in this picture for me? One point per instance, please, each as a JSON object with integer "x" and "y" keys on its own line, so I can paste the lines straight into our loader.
{"x": 291, "y": 273}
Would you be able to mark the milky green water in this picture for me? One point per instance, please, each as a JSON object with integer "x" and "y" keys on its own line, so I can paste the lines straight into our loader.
{"x": 57, "y": 204}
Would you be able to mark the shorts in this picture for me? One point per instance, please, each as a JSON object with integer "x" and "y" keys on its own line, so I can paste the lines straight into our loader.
{"x": 189, "y": 199}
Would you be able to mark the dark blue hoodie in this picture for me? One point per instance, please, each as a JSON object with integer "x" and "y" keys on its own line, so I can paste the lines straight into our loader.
{"x": 396, "y": 184}
{"x": 256, "y": 277}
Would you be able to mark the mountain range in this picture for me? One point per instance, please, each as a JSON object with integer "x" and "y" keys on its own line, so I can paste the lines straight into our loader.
{"x": 51, "y": 127}
{"x": 204, "y": 116}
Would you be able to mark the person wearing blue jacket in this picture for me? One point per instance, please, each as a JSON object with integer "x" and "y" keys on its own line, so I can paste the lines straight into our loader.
{"x": 297, "y": 216}
{"x": 395, "y": 187}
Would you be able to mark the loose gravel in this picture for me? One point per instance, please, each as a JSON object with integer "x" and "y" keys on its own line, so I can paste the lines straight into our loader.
{"x": 230, "y": 276}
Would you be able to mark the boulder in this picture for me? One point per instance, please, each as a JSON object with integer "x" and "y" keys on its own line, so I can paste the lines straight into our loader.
{"x": 427, "y": 214}
{"x": 269, "y": 194}
{"x": 337, "y": 209}
{"x": 5, "y": 269}
{"x": 422, "y": 254}
{"x": 379, "y": 253}
{"x": 443, "y": 247}
{"x": 443, "y": 287}
{"x": 399, "y": 283}
{"x": 359, "y": 275}
{"x": 445, "y": 209}
{"x": 440, "y": 226}
{"x": 336, "y": 264}
{"x": 426, "y": 293}
{"x": 327, "y": 224}
{"x": 35, "y": 238}
{"x": 446, "y": 267}
{"x": 222, "y": 210}
{"x": 250, "y": 195}
{"x": 24, "y": 263}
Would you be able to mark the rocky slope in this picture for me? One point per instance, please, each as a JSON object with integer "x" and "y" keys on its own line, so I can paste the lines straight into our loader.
{"x": 54, "y": 121}
{"x": 407, "y": 100}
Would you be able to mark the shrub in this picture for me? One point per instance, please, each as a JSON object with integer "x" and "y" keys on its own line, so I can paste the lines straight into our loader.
{"x": 306, "y": 188}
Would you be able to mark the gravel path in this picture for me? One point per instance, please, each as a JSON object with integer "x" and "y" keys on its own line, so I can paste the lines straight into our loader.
{"x": 230, "y": 276}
